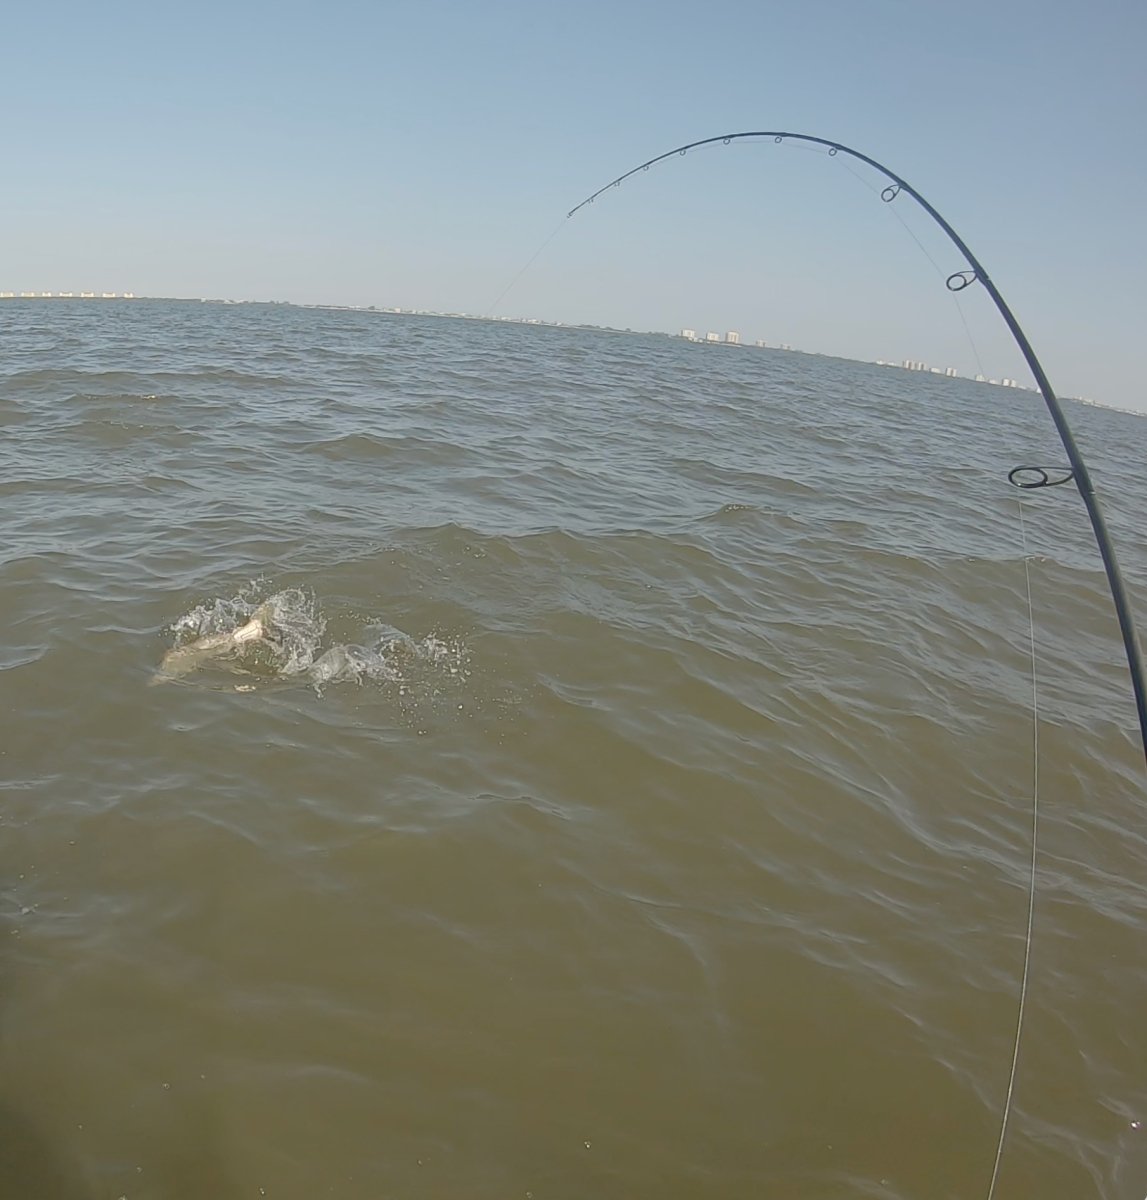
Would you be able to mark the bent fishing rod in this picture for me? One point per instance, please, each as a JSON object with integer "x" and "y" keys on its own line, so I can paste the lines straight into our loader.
{"x": 1026, "y": 477}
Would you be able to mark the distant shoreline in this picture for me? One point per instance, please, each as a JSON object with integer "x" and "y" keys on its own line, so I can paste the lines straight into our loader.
{"x": 710, "y": 340}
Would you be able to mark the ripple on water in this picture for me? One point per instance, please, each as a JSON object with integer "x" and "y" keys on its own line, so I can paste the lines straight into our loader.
{"x": 629, "y": 795}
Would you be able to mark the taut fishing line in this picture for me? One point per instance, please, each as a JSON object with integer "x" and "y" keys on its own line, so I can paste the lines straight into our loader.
{"x": 1025, "y": 973}
{"x": 1025, "y": 477}
{"x": 533, "y": 259}
{"x": 895, "y": 211}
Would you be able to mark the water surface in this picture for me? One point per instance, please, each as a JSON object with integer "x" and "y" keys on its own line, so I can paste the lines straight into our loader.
{"x": 669, "y": 836}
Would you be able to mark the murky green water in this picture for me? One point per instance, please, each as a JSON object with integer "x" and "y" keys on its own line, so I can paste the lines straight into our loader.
{"x": 660, "y": 828}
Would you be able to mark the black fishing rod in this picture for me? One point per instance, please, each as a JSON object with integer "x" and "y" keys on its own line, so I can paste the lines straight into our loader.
{"x": 1024, "y": 477}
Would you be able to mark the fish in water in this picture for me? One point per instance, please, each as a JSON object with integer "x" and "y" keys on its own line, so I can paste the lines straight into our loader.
{"x": 182, "y": 660}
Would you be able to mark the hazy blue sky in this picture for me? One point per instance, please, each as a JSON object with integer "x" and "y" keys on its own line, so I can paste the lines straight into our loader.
{"x": 417, "y": 154}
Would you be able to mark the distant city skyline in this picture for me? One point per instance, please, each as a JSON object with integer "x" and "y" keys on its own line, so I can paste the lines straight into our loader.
{"x": 729, "y": 338}
{"x": 426, "y": 156}
{"x": 68, "y": 295}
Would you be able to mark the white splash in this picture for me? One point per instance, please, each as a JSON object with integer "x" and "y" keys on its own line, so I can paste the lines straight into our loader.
{"x": 292, "y": 648}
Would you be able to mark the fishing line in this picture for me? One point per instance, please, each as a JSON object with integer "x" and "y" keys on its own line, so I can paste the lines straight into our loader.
{"x": 558, "y": 228}
{"x": 533, "y": 258}
{"x": 892, "y": 208}
{"x": 1025, "y": 974}
{"x": 957, "y": 281}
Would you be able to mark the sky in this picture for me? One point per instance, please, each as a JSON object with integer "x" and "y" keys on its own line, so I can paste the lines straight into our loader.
{"x": 418, "y": 155}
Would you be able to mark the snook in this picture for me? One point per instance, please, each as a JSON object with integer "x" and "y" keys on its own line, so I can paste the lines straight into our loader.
{"x": 184, "y": 659}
